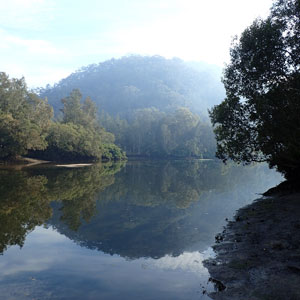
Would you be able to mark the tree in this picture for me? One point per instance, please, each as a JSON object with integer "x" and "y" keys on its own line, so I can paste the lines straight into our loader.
{"x": 259, "y": 120}
{"x": 79, "y": 137}
{"x": 24, "y": 118}
{"x": 71, "y": 110}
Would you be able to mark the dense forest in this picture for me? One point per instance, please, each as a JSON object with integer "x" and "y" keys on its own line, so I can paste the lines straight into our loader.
{"x": 27, "y": 125}
{"x": 153, "y": 133}
{"x": 155, "y": 107}
{"x": 120, "y": 86}
{"x": 146, "y": 106}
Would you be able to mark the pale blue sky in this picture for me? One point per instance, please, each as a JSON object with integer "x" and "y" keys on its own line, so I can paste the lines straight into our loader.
{"x": 46, "y": 40}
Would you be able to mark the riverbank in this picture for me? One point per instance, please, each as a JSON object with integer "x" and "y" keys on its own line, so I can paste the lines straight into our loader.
{"x": 258, "y": 254}
{"x": 23, "y": 162}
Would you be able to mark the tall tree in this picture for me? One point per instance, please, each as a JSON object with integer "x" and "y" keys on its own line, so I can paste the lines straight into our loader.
{"x": 72, "y": 112}
{"x": 24, "y": 118}
{"x": 79, "y": 136}
{"x": 260, "y": 118}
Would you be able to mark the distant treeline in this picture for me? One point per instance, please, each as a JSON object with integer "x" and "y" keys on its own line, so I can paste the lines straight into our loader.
{"x": 153, "y": 133}
{"x": 146, "y": 106}
{"x": 154, "y": 106}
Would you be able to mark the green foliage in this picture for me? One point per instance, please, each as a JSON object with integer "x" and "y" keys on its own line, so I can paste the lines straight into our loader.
{"x": 151, "y": 132}
{"x": 84, "y": 114}
{"x": 72, "y": 111}
{"x": 79, "y": 137}
{"x": 26, "y": 125}
{"x": 152, "y": 123}
{"x": 141, "y": 99}
{"x": 73, "y": 142}
{"x": 112, "y": 152}
{"x": 260, "y": 118}
{"x": 24, "y": 118}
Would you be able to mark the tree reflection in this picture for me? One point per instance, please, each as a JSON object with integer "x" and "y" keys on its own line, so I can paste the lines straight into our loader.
{"x": 76, "y": 189}
{"x": 163, "y": 207}
{"x": 25, "y": 198}
{"x": 23, "y": 205}
{"x": 148, "y": 209}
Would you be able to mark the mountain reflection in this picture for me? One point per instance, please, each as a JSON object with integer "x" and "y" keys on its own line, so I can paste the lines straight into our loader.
{"x": 145, "y": 209}
{"x": 165, "y": 207}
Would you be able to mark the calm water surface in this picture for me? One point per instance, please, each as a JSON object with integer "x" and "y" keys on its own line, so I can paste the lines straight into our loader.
{"x": 111, "y": 231}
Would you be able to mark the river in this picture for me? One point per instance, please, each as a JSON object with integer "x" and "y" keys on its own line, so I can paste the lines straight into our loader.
{"x": 138, "y": 230}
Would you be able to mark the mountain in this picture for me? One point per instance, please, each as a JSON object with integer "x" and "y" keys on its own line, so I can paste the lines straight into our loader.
{"x": 120, "y": 86}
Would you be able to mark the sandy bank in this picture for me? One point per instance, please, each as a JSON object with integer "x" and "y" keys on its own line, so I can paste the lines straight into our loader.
{"x": 21, "y": 162}
{"x": 24, "y": 162}
{"x": 73, "y": 165}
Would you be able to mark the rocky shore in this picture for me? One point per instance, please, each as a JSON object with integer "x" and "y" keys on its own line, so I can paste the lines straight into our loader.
{"x": 258, "y": 253}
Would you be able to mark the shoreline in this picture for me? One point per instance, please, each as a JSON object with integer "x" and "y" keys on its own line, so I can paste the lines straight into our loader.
{"x": 25, "y": 162}
{"x": 258, "y": 253}
{"x": 22, "y": 162}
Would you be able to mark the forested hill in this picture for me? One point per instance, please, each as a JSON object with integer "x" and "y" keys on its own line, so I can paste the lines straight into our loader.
{"x": 135, "y": 82}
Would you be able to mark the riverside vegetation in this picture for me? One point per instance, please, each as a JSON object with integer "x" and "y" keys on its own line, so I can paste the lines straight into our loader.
{"x": 258, "y": 254}
{"x": 260, "y": 118}
{"x": 26, "y": 125}
{"x": 146, "y": 106}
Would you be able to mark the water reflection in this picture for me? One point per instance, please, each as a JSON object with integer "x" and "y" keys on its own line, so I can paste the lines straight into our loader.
{"x": 143, "y": 228}
{"x": 165, "y": 208}
{"x": 25, "y": 198}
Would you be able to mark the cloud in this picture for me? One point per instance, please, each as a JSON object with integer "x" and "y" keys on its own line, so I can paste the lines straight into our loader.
{"x": 43, "y": 35}
{"x": 40, "y": 61}
{"x": 15, "y": 264}
{"x": 25, "y": 14}
{"x": 196, "y": 30}
{"x": 30, "y": 46}
{"x": 187, "y": 261}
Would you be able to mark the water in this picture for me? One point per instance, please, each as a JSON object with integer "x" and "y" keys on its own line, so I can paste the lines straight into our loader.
{"x": 111, "y": 231}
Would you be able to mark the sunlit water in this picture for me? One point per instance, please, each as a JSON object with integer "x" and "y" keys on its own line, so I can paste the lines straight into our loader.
{"x": 139, "y": 231}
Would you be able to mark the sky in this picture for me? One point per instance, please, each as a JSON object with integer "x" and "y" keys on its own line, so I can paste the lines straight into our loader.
{"x": 46, "y": 40}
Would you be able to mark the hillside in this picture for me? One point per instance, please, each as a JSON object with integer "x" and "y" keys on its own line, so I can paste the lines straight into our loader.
{"x": 119, "y": 86}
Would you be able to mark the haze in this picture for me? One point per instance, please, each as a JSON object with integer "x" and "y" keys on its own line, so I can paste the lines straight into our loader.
{"x": 46, "y": 40}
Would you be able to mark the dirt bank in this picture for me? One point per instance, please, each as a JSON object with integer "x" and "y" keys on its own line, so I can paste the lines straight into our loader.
{"x": 258, "y": 254}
